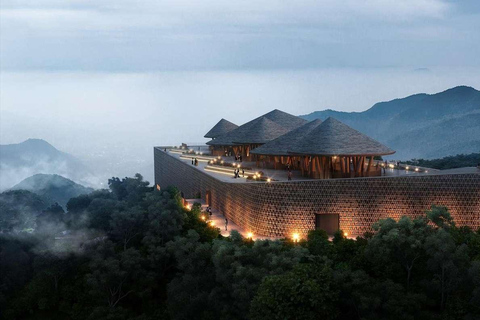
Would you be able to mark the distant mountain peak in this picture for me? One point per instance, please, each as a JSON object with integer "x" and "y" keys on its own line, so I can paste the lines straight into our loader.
{"x": 52, "y": 187}
{"x": 420, "y": 125}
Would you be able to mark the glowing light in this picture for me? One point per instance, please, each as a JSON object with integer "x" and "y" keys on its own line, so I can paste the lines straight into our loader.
{"x": 334, "y": 157}
{"x": 295, "y": 237}
{"x": 234, "y": 164}
{"x": 416, "y": 169}
{"x": 212, "y": 223}
{"x": 188, "y": 207}
{"x": 249, "y": 235}
{"x": 391, "y": 166}
{"x": 221, "y": 162}
{"x": 203, "y": 218}
{"x": 407, "y": 167}
{"x": 219, "y": 157}
{"x": 269, "y": 180}
{"x": 426, "y": 171}
{"x": 345, "y": 234}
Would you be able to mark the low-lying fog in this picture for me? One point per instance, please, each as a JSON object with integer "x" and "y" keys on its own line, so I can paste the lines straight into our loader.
{"x": 112, "y": 121}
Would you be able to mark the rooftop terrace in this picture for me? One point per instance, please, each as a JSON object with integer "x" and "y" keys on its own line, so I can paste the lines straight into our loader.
{"x": 222, "y": 168}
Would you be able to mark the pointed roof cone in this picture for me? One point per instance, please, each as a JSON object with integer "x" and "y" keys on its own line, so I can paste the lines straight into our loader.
{"x": 222, "y": 127}
{"x": 334, "y": 138}
{"x": 282, "y": 144}
{"x": 286, "y": 120}
{"x": 259, "y": 130}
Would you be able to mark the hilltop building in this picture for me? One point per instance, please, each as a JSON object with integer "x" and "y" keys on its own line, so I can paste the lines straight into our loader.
{"x": 298, "y": 175}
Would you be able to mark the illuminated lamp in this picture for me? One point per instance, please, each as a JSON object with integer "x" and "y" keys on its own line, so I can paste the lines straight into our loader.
{"x": 269, "y": 180}
{"x": 295, "y": 237}
{"x": 250, "y": 235}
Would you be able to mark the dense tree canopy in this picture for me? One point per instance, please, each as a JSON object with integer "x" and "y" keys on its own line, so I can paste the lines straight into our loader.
{"x": 132, "y": 252}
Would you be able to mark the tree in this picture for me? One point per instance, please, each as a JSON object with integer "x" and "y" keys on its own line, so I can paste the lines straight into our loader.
{"x": 318, "y": 244}
{"x": 307, "y": 292}
{"x": 127, "y": 224}
{"x": 113, "y": 276}
{"x": 447, "y": 262}
{"x": 131, "y": 190}
{"x": 240, "y": 267}
{"x": 401, "y": 242}
{"x": 440, "y": 216}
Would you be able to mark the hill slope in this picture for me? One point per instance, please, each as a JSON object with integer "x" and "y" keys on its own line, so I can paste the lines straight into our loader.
{"x": 421, "y": 125}
{"x": 21, "y": 160}
{"x": 52, "y": 188}
{"x": 19, "y": 209}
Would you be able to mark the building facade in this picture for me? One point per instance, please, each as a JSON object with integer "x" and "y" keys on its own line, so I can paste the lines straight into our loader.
{"x": 279, "y": 209}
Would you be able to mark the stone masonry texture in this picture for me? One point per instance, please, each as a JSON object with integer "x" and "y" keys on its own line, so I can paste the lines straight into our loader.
{"x": 279, "y": 209}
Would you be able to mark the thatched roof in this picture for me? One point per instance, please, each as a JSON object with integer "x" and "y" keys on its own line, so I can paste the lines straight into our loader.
{"x": 334, "y": 138}
{"x": 282, "y": 144}
{"x": 286, "y": 120}
{"x": 223, "y": 126}
{"x": 260, "y": 130}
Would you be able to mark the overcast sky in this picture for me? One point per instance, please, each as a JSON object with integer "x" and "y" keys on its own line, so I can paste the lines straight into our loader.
{"x": 122, "y": 35}
{"x": 112, "y": 78}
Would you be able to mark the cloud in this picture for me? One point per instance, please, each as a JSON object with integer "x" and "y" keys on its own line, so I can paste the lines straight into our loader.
{"x": 177, "y": 34}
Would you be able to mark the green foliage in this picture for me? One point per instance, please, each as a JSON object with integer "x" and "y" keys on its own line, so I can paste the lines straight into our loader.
{"x": 307, "y": 292}
{"x": 19, "y": 209}
{"x": 440, "y": 216}
{"x": 450, "y": 162}
{"x": 133, "y": 252}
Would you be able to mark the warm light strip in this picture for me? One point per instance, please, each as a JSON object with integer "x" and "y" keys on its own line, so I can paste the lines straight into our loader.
{"x": 221, "y": 172}
{"x": 190, "y": 159}
{"x": 203, "y": 158}
{"x": 230, "y": 169}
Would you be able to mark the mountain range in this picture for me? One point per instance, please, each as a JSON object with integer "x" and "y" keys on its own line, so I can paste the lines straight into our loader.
{"x": 52, "y": 188}
{"x": 422, "y": 125}
{"x": 22, "y": 160}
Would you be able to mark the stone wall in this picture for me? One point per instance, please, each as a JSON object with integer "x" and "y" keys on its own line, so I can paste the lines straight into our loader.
{"x": 278, "y": 209}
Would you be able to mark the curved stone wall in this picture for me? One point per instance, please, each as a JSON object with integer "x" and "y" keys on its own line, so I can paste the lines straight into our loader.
{"x": 278, "y": 209}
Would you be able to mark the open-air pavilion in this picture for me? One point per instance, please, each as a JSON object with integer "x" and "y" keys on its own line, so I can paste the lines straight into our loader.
{"x": 255, "y": 133}
{"x": 335, "y": 150}
{"x": 316, "y": 149}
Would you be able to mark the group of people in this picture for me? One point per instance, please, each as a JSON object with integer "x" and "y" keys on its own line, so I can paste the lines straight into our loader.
{"x": 236, "y": 173}
{"x": 194, "y": 161}
{"x": 209, "y": 211}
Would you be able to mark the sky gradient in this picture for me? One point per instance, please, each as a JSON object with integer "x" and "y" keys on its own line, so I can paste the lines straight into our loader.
{"x": 106, "y": 80}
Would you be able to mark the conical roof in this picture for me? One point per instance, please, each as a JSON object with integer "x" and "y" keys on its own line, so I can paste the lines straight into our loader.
{"x": 334, "y": 138}
{"x": 223, "y": 126}
{"x": 282, "y": 144}
{"x": 260, "y": 130}
{"x": 286, "y": 120}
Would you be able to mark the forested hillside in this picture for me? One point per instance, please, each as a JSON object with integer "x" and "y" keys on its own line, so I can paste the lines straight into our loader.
{"x": 52, "y": 188}
{"x": 132, "y": 252}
